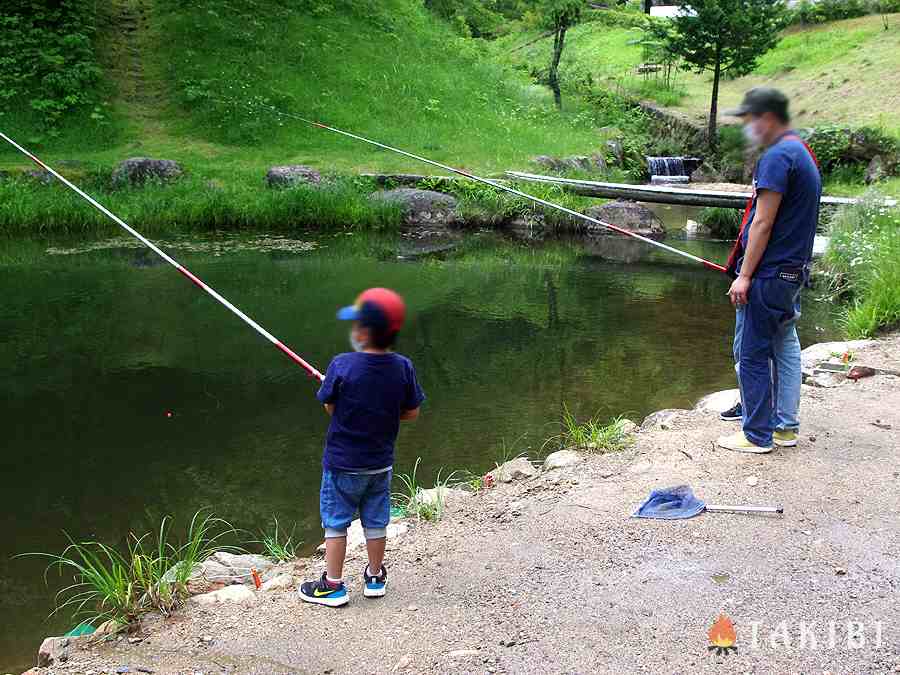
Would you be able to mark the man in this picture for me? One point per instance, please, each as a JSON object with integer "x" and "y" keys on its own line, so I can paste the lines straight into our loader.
{"x": 771, "y": 265}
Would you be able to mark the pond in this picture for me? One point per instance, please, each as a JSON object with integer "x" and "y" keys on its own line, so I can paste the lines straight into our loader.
{"x": 99, "y": 344}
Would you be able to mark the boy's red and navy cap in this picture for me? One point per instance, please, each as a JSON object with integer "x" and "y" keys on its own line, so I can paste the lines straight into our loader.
{"x": 379, "y": 308}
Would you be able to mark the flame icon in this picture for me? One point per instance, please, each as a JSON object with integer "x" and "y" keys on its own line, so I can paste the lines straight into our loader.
{"x": 722, "y": 635}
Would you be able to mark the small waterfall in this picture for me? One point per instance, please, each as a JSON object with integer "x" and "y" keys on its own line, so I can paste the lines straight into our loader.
{"x": 666, "y": 166}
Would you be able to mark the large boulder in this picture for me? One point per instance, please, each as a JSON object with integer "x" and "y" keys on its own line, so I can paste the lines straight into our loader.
{"x": 292, "y": 175}
{"x": 824, "y": 351}
{"x": 630, "y": 216}
{"x": 421, "y": 207}
{"x": 137, "y": 170}
{"x": 719, "y": 402}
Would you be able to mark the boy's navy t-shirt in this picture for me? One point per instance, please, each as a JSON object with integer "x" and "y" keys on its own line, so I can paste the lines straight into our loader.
{"x": 369, "y": 391}
{"x": 788, "y": 168}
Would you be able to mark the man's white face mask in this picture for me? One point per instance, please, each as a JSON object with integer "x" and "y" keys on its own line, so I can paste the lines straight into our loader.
{"x": 751, "y": 133}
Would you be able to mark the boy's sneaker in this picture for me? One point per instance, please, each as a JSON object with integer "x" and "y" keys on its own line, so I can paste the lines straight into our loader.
{"x": 375, "y": 586}
{"x": 321, "y": 593}
{"x": 786, "y": 438}
{"x": 733, "y": 414}
{"x": 740, "y": 443}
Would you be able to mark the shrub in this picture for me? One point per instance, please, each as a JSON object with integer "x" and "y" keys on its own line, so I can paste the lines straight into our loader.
{"x": 836, "y": 146}
{"x": 47, "y": 57}
{"x": 722, "y": 223}
{"x": 861, "y": 264}
{"x": 822, "y": 11}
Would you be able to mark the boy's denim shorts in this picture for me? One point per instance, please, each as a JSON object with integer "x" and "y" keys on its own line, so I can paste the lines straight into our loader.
{"x": 344, "y": 494}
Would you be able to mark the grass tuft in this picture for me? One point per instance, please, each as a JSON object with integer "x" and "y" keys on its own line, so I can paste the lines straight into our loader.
{"x": 109, "y": 583}
{"x": 278, "y": 545}
{"x": 591, "y": 435}
{"x": 413, "y": 500}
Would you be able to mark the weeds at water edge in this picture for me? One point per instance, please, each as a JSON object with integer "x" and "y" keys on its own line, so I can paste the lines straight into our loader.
{"x": 424, "y": 504}
{"x": 591, "y": 435}
{"x": 110, "y": 584}
{"x": 276, "y": 545}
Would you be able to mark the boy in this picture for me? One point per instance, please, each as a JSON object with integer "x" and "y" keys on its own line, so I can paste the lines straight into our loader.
{"x": 367, "y": 392}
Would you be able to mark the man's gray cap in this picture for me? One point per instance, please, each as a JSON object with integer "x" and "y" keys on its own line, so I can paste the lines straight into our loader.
{"x": 762, "y": 100}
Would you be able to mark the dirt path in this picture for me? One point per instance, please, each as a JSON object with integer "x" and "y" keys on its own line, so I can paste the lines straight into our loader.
{"x": 550, "y": 575}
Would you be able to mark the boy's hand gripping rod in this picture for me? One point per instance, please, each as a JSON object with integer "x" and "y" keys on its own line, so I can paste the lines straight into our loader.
{"x": 174, "y": 263}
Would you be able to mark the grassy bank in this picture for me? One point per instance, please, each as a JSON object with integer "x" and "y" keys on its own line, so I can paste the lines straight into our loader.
{"x": 863, "y": 262}
{"x": 389, "y": 70}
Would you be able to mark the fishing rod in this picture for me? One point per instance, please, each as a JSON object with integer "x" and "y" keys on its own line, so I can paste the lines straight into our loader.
{"x": 174, "y": 263}
{"x": 500, "y": 186}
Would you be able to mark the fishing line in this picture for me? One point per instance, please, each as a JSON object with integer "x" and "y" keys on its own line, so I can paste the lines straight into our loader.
{"x": 496, "y": 185}
{"x": 169, "y": 259}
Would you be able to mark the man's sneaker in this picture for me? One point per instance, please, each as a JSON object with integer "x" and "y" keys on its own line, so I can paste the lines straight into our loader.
{"x": 321, "y": 593}
{"x": 375, "y": 586}
{"x": 786, "y": 438}
{"x": 733, "y": 414}
{"x": 740, "y": 443}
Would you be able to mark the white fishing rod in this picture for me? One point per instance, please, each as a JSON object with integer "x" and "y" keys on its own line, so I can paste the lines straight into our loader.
{"x": 498, "y": 186}
{"x": 313, "y": 372}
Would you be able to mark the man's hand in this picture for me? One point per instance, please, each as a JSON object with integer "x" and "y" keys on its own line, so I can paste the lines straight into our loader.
{"x": 329, "y": 408}
{"x": 740, "y": 287}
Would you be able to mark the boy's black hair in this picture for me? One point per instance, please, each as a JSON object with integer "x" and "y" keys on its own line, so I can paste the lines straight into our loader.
{"x": 381, "y": 338}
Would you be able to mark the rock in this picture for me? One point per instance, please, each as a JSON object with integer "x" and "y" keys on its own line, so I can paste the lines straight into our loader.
{"x": 827, "y": 380}
{"x": 816, "y": 354}
{"x": 421, "y": 207}
{"x": 560, "y": 459}
{"x": 240, "y": 565}
{"x": 56, "y": 650}
{"x": 876, "y": 170}
{"x": 136, "y": 171}
{"x": 40, "y": 175}
{"x": 626, "y": 426}
{"x": 662, "y": 419}
{"x": 292, "y": 175}
{"x": 616, "y": 151}
{"x": 705, "y": 174}
{"x": 514, "y": 469}
{"x": 412, "y": 608}
{"x": 278, "y": 582}
{"x": 719, "y": 402}
{"x": 693, "y": 227}
{"x": 431, "y": 495}
{"x": 627, "y": 215}
{"x": 752, "y": 481}
{"x": 236, "y": 594}
{"x": 356, "y": 537}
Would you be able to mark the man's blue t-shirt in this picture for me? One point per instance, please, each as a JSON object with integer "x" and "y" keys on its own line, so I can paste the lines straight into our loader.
{"x": 788, "y": 168}
{"x": 369, "y": 392}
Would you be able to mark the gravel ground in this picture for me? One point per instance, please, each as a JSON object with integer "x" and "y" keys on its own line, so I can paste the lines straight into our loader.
{"x": 550, "y": 575}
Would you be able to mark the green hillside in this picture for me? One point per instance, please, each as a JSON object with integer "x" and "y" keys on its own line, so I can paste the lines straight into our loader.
{"x": 843, "y": 71}
{"x": 176, "y": 78}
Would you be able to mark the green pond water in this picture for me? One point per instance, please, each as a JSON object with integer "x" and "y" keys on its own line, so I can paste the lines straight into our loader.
{"x": 97, "y": 346}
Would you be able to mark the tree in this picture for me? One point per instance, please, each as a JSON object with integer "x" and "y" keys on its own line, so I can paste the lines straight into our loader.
{"x": 558, "y": 16}
{"x": 722, "y": 36}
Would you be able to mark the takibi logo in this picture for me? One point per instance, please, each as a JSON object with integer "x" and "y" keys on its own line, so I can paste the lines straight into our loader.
{"x": 722, "y": 636}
